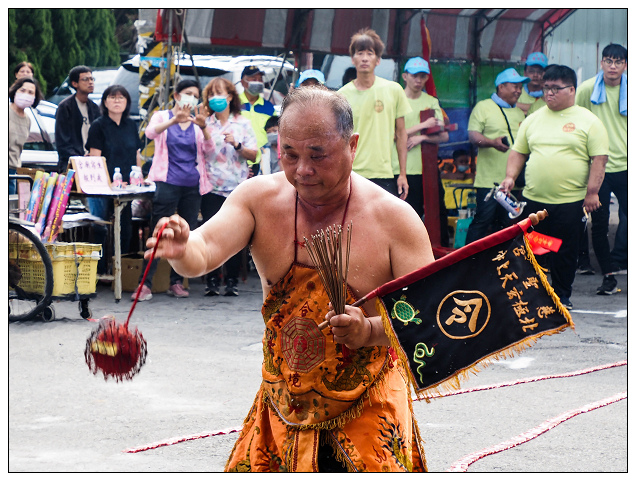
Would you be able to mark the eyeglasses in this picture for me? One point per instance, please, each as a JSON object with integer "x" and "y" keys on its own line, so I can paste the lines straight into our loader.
{"x": 116, "y": 98}
{"x": 555, "y": 90}
{"x": 609, "y": 62}
{"x": 87, "y": 79}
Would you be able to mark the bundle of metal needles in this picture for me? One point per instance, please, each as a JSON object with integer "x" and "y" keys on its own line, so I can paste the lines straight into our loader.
{"x": 331, "y": 258}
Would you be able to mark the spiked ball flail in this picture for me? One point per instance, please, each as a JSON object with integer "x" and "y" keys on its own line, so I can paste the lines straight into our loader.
{"x": 115, "y": 350}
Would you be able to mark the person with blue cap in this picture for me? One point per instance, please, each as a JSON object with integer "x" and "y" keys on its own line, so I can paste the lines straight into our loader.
{"x": 492, "y": 128}
{"x": 605, "y": 95}
{"x": 532, "y": 92}
{"x": 416, "y": 73}
{"x": 310, "y": 78}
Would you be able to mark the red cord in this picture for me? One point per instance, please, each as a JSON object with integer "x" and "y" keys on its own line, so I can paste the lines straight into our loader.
{"x": 143, "y": 279}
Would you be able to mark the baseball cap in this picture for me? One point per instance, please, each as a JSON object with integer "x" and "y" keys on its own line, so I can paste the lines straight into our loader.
{"x": 417, "y": 65}
{"x": 307, "y": 74}
{"x": 510, "y": 75}
{"x": 251, "y": 70}
{"x": 537, "y": 58}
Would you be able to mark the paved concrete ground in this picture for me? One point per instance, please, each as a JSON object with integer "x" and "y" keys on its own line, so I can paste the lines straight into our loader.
{"x": 203, "y": 370}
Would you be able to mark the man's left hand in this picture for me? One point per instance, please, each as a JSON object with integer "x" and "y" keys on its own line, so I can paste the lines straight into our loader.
{"x": 591, "y": 203}
{"x": 351, "y": 328}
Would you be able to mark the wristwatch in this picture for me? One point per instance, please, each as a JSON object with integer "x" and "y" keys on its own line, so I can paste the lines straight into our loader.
{"x": 238, "y": 147}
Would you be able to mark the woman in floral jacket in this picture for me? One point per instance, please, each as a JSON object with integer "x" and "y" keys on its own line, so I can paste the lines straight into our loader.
{"x": 226, "y": 167}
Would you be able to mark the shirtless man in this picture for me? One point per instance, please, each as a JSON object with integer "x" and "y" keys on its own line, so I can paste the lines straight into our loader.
{"x": 272, "y": 214}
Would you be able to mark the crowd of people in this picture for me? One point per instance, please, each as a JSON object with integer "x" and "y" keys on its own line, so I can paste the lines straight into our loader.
{"x": 331, "y": 157}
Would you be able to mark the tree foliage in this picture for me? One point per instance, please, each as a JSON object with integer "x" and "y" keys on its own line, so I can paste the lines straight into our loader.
{"x": 55, "y": 40}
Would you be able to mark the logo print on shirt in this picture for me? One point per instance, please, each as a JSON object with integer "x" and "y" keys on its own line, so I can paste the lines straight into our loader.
{"x": 379, "y": 106}
{"x": 569, "y": 127}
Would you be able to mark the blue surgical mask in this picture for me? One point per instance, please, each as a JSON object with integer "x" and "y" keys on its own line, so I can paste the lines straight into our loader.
{"x": 462, "y": 168}
{"x": 218, "y": 103}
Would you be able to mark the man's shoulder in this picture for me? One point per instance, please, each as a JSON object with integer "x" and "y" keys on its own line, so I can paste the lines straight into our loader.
{"x": 382, "y": 83}
{"x": 587, "y": 84}
{"x": 485, "y": 104}
{"x": 66, "y": 103}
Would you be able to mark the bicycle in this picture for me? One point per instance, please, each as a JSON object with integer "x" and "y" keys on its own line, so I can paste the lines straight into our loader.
{"x": 30, "y": 274}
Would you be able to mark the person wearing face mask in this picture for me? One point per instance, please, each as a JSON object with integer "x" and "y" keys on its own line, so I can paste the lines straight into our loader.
{"x": 24, "y": 93}
{"x": 226, "y": 167}
{"x": 270, "y": 154}
{"x": 255, "y": 108}
{"x": 182, "y": 141}
{"x": 457, "y": 172}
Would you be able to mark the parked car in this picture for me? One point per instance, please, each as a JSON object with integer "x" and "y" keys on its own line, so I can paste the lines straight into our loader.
{"x": 208, "y": 67}
{"x": 103, "y": 78}
{"x": 39, "y": 150}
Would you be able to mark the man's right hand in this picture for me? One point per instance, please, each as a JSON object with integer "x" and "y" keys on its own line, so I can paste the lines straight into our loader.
{"x": 507, "y": 185}
{"x": 174, "y": 238}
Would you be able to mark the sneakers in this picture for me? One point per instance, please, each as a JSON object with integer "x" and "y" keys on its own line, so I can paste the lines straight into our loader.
{"x": 585, "y": 270}
{"x": 230, "y": 287}
{"x": 567, "y": 303}
{"x": 608, "y": 287}
{"x": 212, "y": 288}
{"x": 177, "y": 290}
{"x": 144, "y": 295}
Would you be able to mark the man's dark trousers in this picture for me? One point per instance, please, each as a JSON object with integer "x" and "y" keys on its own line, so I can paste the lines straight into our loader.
{"x": 565, "y": 222}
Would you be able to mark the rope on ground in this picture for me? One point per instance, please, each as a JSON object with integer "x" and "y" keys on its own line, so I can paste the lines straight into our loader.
{"x": 176, "y": 440}
{"x": 523, "y": 381}
{"x": 463, "y": 464}
{"x": 171, "y": 441}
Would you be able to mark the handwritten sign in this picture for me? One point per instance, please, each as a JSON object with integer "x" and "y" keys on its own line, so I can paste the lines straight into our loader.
{"x": 91, "y": 175}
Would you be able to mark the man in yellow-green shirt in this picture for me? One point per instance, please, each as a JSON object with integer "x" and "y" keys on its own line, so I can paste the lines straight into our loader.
{"x": 416, "y": 73}
{"x": 255, "y": 108}
{"x": 379, "y": 107}
{"x": 492, "y": 128}
{"x": 532, "y": 93}
{"x": 567, "y": 147}
{"x": 605, "y": 95}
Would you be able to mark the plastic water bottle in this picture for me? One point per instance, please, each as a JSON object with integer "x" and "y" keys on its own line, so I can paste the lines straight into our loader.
{"x": 471, "y": 203}
{"x": 135, "y": 176}
{"x": 117, "y": 179}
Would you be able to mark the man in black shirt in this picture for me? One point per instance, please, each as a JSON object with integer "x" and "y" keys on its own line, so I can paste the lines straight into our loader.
{"x": 74, "y": 116}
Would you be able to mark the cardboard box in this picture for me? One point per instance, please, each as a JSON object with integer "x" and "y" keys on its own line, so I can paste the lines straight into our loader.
{"x": 131, "y": 272}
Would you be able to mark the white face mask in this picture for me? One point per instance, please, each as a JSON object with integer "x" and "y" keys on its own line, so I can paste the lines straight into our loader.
{"x": 188, "y": 100}
{"x": 23, "y": 100}
{"x": 272, "y": 138}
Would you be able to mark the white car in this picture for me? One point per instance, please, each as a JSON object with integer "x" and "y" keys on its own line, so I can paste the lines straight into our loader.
{"x": 39, "y": 150}
{"x": 208, "y": 67}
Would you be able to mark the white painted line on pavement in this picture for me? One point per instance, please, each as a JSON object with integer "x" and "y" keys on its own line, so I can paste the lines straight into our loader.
{"x": 622, "y": 313}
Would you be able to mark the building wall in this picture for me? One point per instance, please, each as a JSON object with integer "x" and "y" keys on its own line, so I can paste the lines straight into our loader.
{"x": 579, "y": 41}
